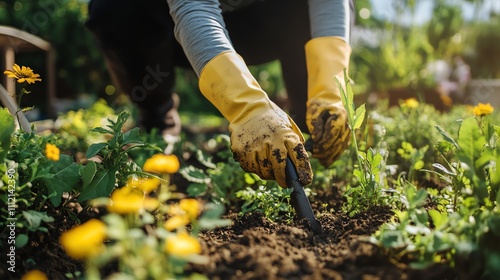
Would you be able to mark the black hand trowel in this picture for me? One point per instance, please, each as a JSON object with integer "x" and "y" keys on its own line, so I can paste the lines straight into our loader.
{"x": 299, "y": 199}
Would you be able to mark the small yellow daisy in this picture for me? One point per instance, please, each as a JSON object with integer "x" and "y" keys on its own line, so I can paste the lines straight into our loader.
{"x": 22, "y": 74}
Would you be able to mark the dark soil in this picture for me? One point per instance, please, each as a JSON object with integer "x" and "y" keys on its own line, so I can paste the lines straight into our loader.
{"x": 256, "y": 248}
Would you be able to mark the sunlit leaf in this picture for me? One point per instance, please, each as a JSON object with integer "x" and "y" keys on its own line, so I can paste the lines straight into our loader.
{"x": 359, "y": 117}
{"x": 447, "y": 137}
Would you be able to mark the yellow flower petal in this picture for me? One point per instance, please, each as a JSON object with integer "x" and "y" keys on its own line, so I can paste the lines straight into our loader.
{"x": 147, "y": 185}
{"x": 482, "y": 109}
{"x": 151, "y": 204}
{"x": 190, "y": 206}
{"x": 129, "y": 200}
{"x": 411, "y": 103}
{"x": 84, "y": 240}
{"x": 52, "y": 152}
{"x": 126, "y": 200}
{"x": 176, "y": 222}
{"x": 175, "y": 209}
{"x": 34, "y": 275}
{"x": 182, "y": 244}
{"x": 163, "y": 164}
{"x": 22, "y": 74}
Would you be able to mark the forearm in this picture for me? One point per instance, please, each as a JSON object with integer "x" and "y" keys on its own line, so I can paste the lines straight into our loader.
{"x": 329, "y": 18}
{"x": 199, "y": 28}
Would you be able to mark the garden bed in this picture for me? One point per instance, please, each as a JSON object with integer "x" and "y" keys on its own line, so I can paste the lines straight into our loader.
{"x": 402, "y": 223}
{"x": 256, "y": 248}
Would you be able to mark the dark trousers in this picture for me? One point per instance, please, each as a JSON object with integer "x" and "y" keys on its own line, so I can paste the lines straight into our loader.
{"x": 141, "y": 51}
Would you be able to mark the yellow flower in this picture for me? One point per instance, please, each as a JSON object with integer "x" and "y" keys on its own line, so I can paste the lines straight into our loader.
{"x": 182, "y": 244}
{"x": 52, "y": 152}
{"x": 84, "y": 240}
{"x": 411, "y": 103}
{"x": 161, "y": 163}
{"x": 147, "y": 185}
{"x": 129, "y": 200}
{"x": 190, "y": 206}
{"x": 482, "y": 109}
{"x": 176, "y": 222}
{"x": 34, "y": 275}
{"x": 22, "y": 74}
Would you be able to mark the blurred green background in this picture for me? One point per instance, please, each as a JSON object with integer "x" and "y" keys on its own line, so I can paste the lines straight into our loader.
{"x": 393, "y": 42}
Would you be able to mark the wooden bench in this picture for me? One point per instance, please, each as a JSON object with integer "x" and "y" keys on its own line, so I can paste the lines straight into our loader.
{"x": 14, "y": 41}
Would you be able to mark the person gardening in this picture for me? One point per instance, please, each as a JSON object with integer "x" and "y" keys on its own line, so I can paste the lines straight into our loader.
{"x": 142, "y": 42}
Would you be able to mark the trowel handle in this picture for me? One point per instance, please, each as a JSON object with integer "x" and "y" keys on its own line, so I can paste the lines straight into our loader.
{"x": 298, "y": 197}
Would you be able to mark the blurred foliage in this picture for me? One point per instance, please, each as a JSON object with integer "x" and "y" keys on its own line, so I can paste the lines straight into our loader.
{"x": 398, "y": 58}
{"x": 389, "y": 65}
{"x": 403, "y": 49}
{"x": 485, "y": 59}
{"x": 443, "y": 26}
{"x": 79, "y": 64}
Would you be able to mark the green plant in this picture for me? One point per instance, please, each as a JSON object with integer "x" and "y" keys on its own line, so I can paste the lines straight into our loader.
{"x": 269, "y": 199}
{"x": 413, "y": 155}
{"x": 218, "y": 182}
{"x": 465, "y": 222}
{"x": 370, "y": 164}
{"x": 32, "y": 185}
{"x": 112, "y": 169}
{"x": 148, "y": 237}
{"x": 75, "y": 126}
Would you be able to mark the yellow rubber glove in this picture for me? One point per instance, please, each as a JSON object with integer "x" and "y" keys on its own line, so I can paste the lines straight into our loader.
{"x": 262, "y": 135}
{"x": 326, "y": 117}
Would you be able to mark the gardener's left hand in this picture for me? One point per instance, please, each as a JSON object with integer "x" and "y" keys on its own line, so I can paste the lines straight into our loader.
{"x": 327, "y": 124}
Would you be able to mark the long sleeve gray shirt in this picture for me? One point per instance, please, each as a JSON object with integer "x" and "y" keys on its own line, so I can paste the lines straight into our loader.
{"x": 200, "y": 29}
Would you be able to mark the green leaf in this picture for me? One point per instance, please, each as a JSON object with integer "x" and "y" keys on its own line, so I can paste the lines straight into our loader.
{"x": 213, "y": 211}
{"x": 480, "y": 189}
{"x": 211, "y": 217}
{"x": 438, "y": 218}
{"x": 440, "y": 243}
{"x": 65, "y": 177}
{"x": 101, "y": 185}
{"x": 131, "y": 136}
{"x": 418, "y": 165}
{"x": 495, "y": 175}
{"x": 101, "y": 130}
{"x": 205, "y": 159}
{"x": 447, "y": 137}
{"x": 35, "y": 218}
{"x": 7, "y": 127}
{"x": 470, "y": 142}
{"x": 484, "y": 159}
{"x": 360, "y": 117}
{"x": 444, "y": 147}
{"x": 392, "y": 239}
{"x": 21, "y": 240}
{"x": 94, "y": 149}
{"x": 347, "y": 98}
{"x": 415, "y": 198}
{"x": 196, "y": 189}
{"x": 88, "y": 173}
{"x": 195, "y": 175}
{"x": 444, "y": 169}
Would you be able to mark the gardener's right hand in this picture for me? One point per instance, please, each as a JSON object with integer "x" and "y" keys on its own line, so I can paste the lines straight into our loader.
{"x": 262, "y": 135}
{"x": 262, "y": 142}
